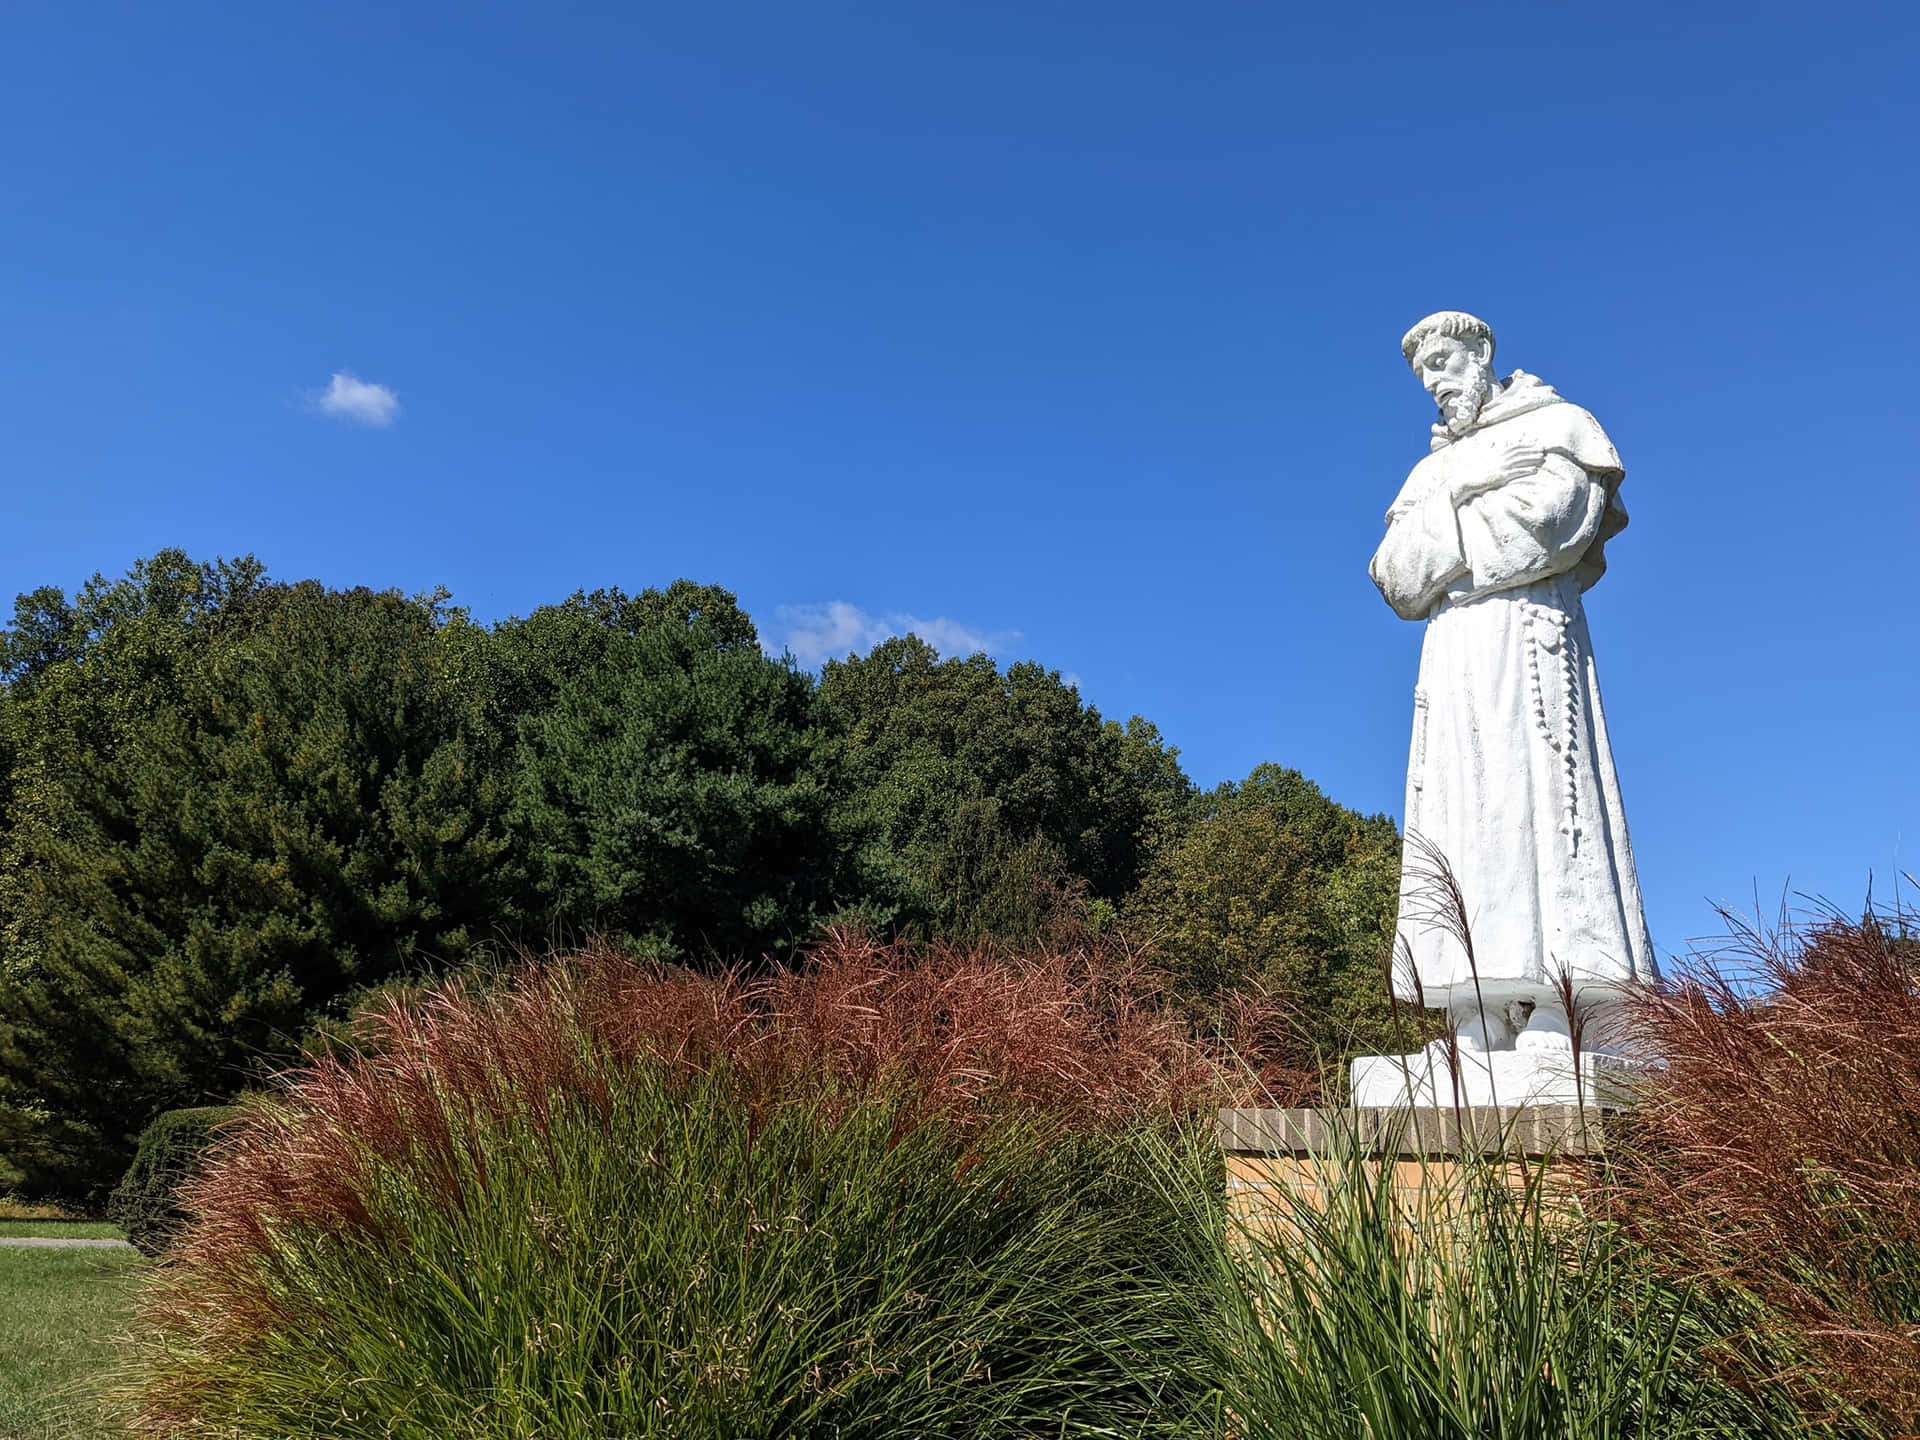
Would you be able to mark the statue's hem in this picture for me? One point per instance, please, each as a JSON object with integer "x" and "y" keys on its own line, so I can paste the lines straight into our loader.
{"x": 1431, "y": 1079}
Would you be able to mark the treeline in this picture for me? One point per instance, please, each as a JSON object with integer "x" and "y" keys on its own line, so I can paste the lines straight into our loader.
{"x": 230, "y": 806}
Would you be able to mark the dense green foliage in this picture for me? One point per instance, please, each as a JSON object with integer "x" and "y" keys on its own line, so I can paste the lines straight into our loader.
{"x": 1271, "y": 884}
{"x": 999, "y": 796}
{"x": 680, "y": 792}
{"x": 229, "y": 806}
{"x": 225, "y": 822}
{"x": 146, "y": 1203}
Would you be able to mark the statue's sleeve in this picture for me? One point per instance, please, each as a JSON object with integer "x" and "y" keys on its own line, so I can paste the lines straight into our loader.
{"x": 1572, "y": 432}
{"x": 1421, "y": 557}
{"x": 1532, "y": 528}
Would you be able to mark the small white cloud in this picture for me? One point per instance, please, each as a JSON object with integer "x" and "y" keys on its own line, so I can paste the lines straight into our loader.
{"x": 821, "y": 632}
{"x": 358, "y": 402}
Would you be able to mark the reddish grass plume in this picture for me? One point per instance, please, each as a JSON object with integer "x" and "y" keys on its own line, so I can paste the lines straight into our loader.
{"x": 1075, "y": 1035}
{"x": 1778, "y": 1151}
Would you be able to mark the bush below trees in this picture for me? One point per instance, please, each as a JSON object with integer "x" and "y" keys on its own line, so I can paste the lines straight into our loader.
{"x": 146, "y": 1203}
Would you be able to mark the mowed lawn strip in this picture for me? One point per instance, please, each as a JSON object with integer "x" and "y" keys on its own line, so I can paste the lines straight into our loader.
{"x": 59, "y": 1230}
{"x": 59, "y": 1310}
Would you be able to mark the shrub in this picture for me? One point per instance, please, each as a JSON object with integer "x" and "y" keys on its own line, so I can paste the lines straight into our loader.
{"x": 863, "y": 1200}
{"x": 1777, "y": 1158}
{"x": 146, "y": 1204}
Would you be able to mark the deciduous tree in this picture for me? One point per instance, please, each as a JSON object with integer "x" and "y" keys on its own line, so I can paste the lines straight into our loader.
{"x": 996, "y": 790}
{"x": 1270, "y": 884}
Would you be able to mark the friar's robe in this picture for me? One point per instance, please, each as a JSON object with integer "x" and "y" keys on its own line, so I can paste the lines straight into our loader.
{"x": 1511, "y": 776}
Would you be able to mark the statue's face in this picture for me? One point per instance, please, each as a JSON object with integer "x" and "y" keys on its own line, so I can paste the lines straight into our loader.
{"x": 1458, "y": 374}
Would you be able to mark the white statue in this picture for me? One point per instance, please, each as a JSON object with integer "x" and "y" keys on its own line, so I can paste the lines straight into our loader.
{"x": 1492, "y": 541}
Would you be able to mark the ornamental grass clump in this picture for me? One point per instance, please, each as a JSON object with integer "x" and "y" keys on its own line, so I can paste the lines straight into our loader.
{"x": 1775, "y": 1160}
{"x": 870, "y": 1198}
{"x": 1458, "y": 1299}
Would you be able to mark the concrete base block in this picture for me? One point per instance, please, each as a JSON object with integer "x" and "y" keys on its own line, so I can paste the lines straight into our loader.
{"x": 1279, "y": 1159}
{"x": 1430, "y": 1132}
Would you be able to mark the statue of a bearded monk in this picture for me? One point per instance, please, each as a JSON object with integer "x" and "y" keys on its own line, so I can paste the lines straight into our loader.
{"x": 1492, "y": 541}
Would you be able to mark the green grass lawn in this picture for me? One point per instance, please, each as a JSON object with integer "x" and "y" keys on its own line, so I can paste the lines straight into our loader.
{"x": 58, "y": 1312}
{"x": 60, "y": 1229}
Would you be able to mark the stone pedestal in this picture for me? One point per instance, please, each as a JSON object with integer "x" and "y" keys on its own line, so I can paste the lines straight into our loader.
{"x": 1524, "y": 1131}
{"x": 1276, "y": 1154}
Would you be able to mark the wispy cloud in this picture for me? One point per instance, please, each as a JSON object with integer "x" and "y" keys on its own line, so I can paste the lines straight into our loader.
{"x": 356, "y": 401}
{"x": 820, "y": 632}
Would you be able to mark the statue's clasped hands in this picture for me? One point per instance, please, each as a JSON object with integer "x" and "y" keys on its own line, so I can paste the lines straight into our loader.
{"x": 1518, "y": 463}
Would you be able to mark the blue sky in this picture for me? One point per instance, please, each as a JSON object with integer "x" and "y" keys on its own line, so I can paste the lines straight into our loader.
{"x": 1069, "y": 328}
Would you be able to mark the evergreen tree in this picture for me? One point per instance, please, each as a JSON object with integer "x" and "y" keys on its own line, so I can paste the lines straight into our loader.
{"x": 84, "y": 677}
{"x": 287, "y": 808}
{"x": 678, "y": 790}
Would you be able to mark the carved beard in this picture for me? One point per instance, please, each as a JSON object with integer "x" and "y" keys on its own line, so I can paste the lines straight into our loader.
{"x": 1463, "y": 409}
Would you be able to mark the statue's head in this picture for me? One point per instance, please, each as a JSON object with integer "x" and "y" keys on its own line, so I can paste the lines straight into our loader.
{"x": 1452, "y": 355}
